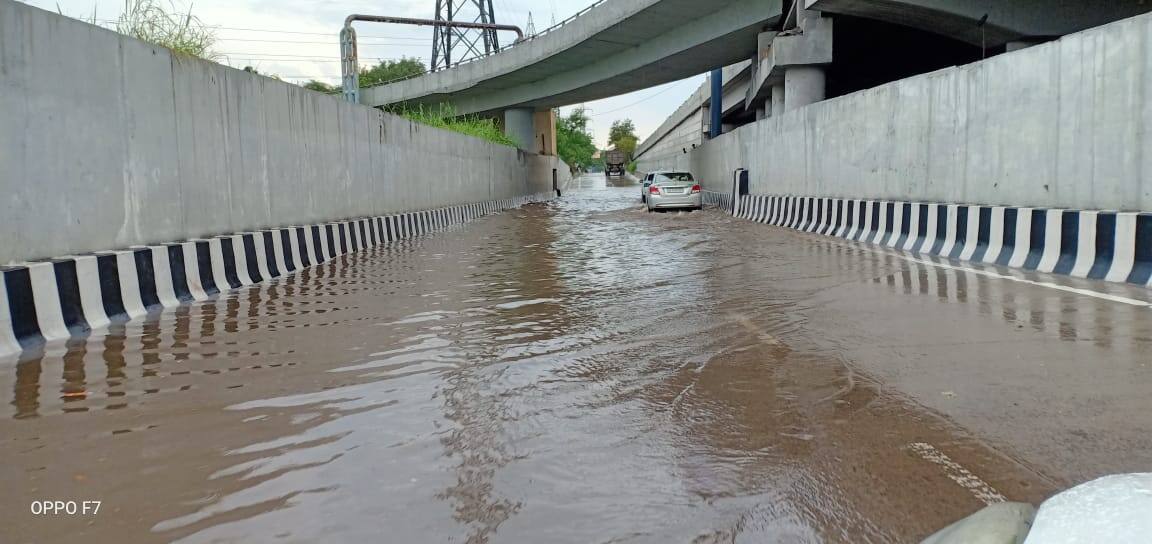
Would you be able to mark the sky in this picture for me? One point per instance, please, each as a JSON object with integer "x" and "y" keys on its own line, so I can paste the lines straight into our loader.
{"x": 297, "y": 40}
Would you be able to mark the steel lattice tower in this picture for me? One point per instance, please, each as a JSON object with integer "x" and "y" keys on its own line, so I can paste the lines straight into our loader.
{"x": 451, "y": 46}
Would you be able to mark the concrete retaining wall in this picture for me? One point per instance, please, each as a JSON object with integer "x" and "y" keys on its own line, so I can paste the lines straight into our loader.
{"x": 108, "y": 142}
{"x": 1060, "y": 125}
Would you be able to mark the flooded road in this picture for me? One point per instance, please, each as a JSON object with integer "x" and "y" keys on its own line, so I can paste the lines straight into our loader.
{"x": 582, "y": 371}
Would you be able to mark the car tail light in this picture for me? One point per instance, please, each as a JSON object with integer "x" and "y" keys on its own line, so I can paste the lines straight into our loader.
{"x": 653, "y": 190}
{"x": 695, "y": 189}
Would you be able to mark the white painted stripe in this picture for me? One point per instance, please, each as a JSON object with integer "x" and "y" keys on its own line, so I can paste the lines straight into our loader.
{"x": 1124, "y": 257}
{"x": 310, "y": 246}
{"x": 950, "y": 230}
{"x": 897, "y": 224}
{"x": 294, "y": 242}
{"x": 129, "y": 284}
{"x": 971, "y": 238}
{"x": 337, "y": 247}
{"x": 930, "y": 233}
{"x": 241, "y": 260}
{"x": 842, "y": 232}
{"x": 162, "y": 275}
{"x": 8, "y": 342}
{"x": 262, "y": 256}
{"x": 1052, "y": 248}
{"x": 324, "y": 250}
{"x": 46, "y": 299}
{"x": 830, "y": 217}
{"x": 881, "y": 223}
{"x": 830, "y": 214}
{"x": 278, "y": 251}
{"x": 1086, "y": 246}
{"x": 850, "y": 220}
{"x": 91, "y": 301}
{"x": 1023, "y": 237}
{"x": 842, "y": 216}
{"x": 817, "y": 212}
{"x": 995, "y": 235}
{"x": 192, "y": 271}
{"x": 979, "y": 488}
{"x": 913, "y": 226}
{"x": 219, "y": 274}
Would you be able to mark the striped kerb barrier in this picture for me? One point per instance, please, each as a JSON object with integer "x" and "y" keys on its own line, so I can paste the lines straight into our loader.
{"x": 58, "y": 298}
{"x": 1105, "y": 245}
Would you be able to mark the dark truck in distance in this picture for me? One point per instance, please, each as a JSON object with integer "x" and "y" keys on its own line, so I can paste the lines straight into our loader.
{"x": 614, "y": 161}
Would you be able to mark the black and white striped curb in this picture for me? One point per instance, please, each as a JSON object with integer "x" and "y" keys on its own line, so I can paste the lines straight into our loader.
{"x": 1105, "y": 245}
{"x": 58, "y": 298}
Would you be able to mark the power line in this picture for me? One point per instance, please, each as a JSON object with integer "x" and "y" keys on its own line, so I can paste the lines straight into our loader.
{"x": 331, "y": 42}
{"x": 255, "y": 54}
{"x": 276, "y": 31}
{"x": 651, "y": 96}
{"x": 296, "y": 59}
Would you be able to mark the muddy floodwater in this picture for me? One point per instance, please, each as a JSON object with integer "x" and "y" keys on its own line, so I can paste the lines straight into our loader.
{"x": 582, "y": 371}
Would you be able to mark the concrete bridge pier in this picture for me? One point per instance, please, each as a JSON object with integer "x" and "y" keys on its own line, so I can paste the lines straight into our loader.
{"x": 533, "y": 130}
{"x": 803, "y": 85}
{"x": 777, "y": 100}
{"x": 519, "y": 125}
{"x": 790, "y": 66}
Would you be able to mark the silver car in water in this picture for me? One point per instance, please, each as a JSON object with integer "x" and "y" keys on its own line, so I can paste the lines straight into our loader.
{"x": 673, "y": 190}
{"x": 646, "y": 182}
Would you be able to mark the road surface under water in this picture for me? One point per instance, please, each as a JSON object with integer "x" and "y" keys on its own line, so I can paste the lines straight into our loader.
{"x": 582, "y": 371}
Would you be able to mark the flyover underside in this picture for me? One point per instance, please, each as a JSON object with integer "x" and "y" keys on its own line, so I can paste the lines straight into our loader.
{"x": 1006, "y": 20}
{"x": 729, "y": 49}
{"x": 670, "y": 40}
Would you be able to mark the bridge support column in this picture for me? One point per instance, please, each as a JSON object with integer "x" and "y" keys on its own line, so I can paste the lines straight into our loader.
{"x": 777, "y": 99}
{"x": 803, "y": 85}
{"x": 544, "y": 131}
{"x": 518, "y": 125}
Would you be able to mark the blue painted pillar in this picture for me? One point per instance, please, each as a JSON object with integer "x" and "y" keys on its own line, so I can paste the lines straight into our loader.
{"x": 717, "y": 107}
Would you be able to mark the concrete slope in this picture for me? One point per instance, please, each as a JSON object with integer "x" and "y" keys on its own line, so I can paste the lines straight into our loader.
{"x": 617, "y": 47}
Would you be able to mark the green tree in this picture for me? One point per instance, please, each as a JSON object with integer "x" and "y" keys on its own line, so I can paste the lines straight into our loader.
{"x": 622, "y": 136}
{"x": 391, "y": 70}
{"x": 573, "y": 141}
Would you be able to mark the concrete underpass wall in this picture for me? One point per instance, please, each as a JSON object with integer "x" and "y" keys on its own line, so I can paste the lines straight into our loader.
{"x": 108, "y": 142}
{"x": 1064, "y": 124}
{"x": 681, "y": 131}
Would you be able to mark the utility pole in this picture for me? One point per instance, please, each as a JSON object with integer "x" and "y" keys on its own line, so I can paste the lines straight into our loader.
{"x": 453, "y": 45}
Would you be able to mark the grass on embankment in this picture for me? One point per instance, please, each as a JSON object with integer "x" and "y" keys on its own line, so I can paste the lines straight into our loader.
{"x": 444, "y": 116}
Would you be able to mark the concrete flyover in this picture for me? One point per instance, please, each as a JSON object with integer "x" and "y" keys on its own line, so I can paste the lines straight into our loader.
{"x": 1007, "y": 20}
{"x": 616, "y": 47}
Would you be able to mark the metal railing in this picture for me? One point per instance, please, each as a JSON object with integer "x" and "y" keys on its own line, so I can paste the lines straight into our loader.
{"x": 526, "y": 39}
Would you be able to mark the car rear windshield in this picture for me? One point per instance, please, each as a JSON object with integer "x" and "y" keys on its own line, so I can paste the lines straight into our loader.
{"x": 675, "y": 176}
